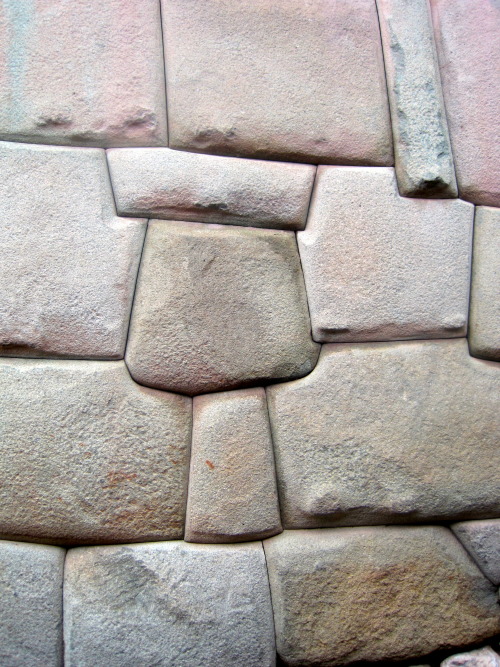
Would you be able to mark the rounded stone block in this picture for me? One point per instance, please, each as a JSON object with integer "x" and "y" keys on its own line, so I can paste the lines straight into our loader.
{"x": 484, "y": 657}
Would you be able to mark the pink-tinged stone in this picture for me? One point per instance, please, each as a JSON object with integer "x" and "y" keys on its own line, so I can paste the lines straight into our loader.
{"x": 84, "y": 73}
{"x": 287, "y": 79}
{"x": 468, "y": 44}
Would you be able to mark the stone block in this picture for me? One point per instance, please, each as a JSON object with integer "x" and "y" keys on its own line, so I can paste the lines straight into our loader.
{"x": 375, "y": 594}
{"x": 286, "y": 80}
{"x": 69, "y": 265}
{"x": 218, "y": 307}
{"x": 88, "y": 456}
{"x": 482, "y": 541}
{"x": 484, "y": 657}
{"x": 388, "y": 433}
{"x": 232, "y": 484}
{"x": 188, "y": 605}
{"x": 382, "y": 267}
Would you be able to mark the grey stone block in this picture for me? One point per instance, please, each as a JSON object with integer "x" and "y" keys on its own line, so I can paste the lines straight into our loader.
{"x": 188, "y": 605}
{"x": 376, "y": 594}
{"x": 88, "y": 456}
{"x": 484, "y": 657}
{"x": 232, "y": 484}
{"x": 388, "y": 432}
{"x": 482, "y": 541}
{"x": 379, "y": 266}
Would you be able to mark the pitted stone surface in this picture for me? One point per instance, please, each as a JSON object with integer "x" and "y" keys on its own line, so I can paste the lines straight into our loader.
{"x": 188, "y": 605}
{"x": 388, "y": 432}
{"x": 423, "y": 158}
{"x": 482, "y": 541}
{"x": 377, "y": 594}
{"x": 232, "y": 484}
{"x": 484, "y": 328}
{"x": 283, "y": 80}
{"x": 218, "y": 307}
{"x": 468, "y": 45}
{"x": 84, "y": 73}
{"x": 88, "y": 456}
{"x": 69, "y": 265}
{"x": 31, "y": 579}
{"x": 174, "y": 185}
{"x": 484, "y": 657}
{"x": 379, "y": 266}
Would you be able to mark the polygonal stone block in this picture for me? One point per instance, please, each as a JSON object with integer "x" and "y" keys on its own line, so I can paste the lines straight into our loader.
{"x": 482, "y": 541}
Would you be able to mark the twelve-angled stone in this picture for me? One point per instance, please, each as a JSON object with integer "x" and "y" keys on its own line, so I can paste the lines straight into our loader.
{"x": 482, "y": 540}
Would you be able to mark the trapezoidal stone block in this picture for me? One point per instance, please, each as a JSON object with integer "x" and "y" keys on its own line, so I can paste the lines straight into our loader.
{"x": 188, "y": 605}
{"x": 285, "y": 80}
{"x": 82, "y": 73}
{"x": 379, "y": 266}
{"x": 174, "y": 185}
{"x": 375, "y": 594}
{"x": 482, "y": 540}
{"x": 69, "y": 264}
{"x": 88, "y": 456}
{"x": 218, "y": 307}
{"x": 232, "y": 484}
{"x": 388, "y": 433}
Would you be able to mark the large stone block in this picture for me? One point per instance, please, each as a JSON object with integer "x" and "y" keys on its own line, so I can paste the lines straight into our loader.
{"x": 288, "y": 80}
{"x": 218, "y": 307}
{"x": 482, "y": 541}
{"x": 375, "y": 594}
{"x": 84, "y": 73}
{"x": 69, "y": 265}
{"x": 88, "y": 456}
{"x": 379, "y": 266}
{"x": 174, "y": 185}
{"x": 31, "y": 581}
{"x": 188, "y": 605}
{"x": 388, "y": 432}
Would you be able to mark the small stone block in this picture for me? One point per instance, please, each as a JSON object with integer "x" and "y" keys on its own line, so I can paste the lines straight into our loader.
{"x": 482, "y": 541}
{"x": 484, "y": 657}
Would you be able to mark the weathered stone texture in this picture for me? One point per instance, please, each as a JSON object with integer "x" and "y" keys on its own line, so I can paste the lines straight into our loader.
{"x": 482, "y": 541}
{"x": 85, "y": 73}
{"x": 69, "y": 265}
{"x": 379, "y": 266}
{"x": 188, "y": 605}
{"x": 218, "y": 307}
{"x": 232, "y": 484}
{"x": 174, "y": 185}
{"x": 484, "y": 657}
{"x": 388, "y": 432}
{"x": 88, "y": 456}
{"x": 31, "y": 579}
{"x": 422, "y": 151}
{"x": 377, "y": 594}
{"x": 283, "y": 80}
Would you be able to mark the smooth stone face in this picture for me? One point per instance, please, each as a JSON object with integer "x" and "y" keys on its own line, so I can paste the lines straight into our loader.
{"x": 484, "y": 328}
{"x": 482, "y": 541}
{"x": 84, "y": 73}
{"x": 379, "y": 266}
{"x": 376, "y": 594}
{"x": 173, "y": 185}
{"x": 188, "y": 605}
{"x": 218, "y": 307}
{"x": 388, "y": 432}
{"x": 232, "y": 483}
{"x": 87, "y": 456}
{"x": 484, "y": 657}
{"x": 286, "y": 80}
{"x": 69, "y": 265}
{"x": 423, "y": 157}
{"x": 468, "y": 45}
{"x": 31, "y": 579}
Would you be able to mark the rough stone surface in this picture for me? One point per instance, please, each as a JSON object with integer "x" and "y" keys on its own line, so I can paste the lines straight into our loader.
{"x": 69, "y": 265}
{"x": 89, "y": 456}
{"x": 31, "y": 578}
{"x": 388, "y": 432}
{"x": 484, "y": 657}
{"x": 482, "y": 541}
{"x": 484, "y": 328}
{"x": 86, "y": 73}
{"x": 283, "y": 80}
{"x": 379, "y": 266}
{"x": 468, "y": 44}
{"x": 174, "y": 185}
{"x": 377, "y": 594}
{"x": 232, "y": 484}
{"x": 218, "y": 307}
{"x": 422, "y": 151}
{"x": 188, "y": 605}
